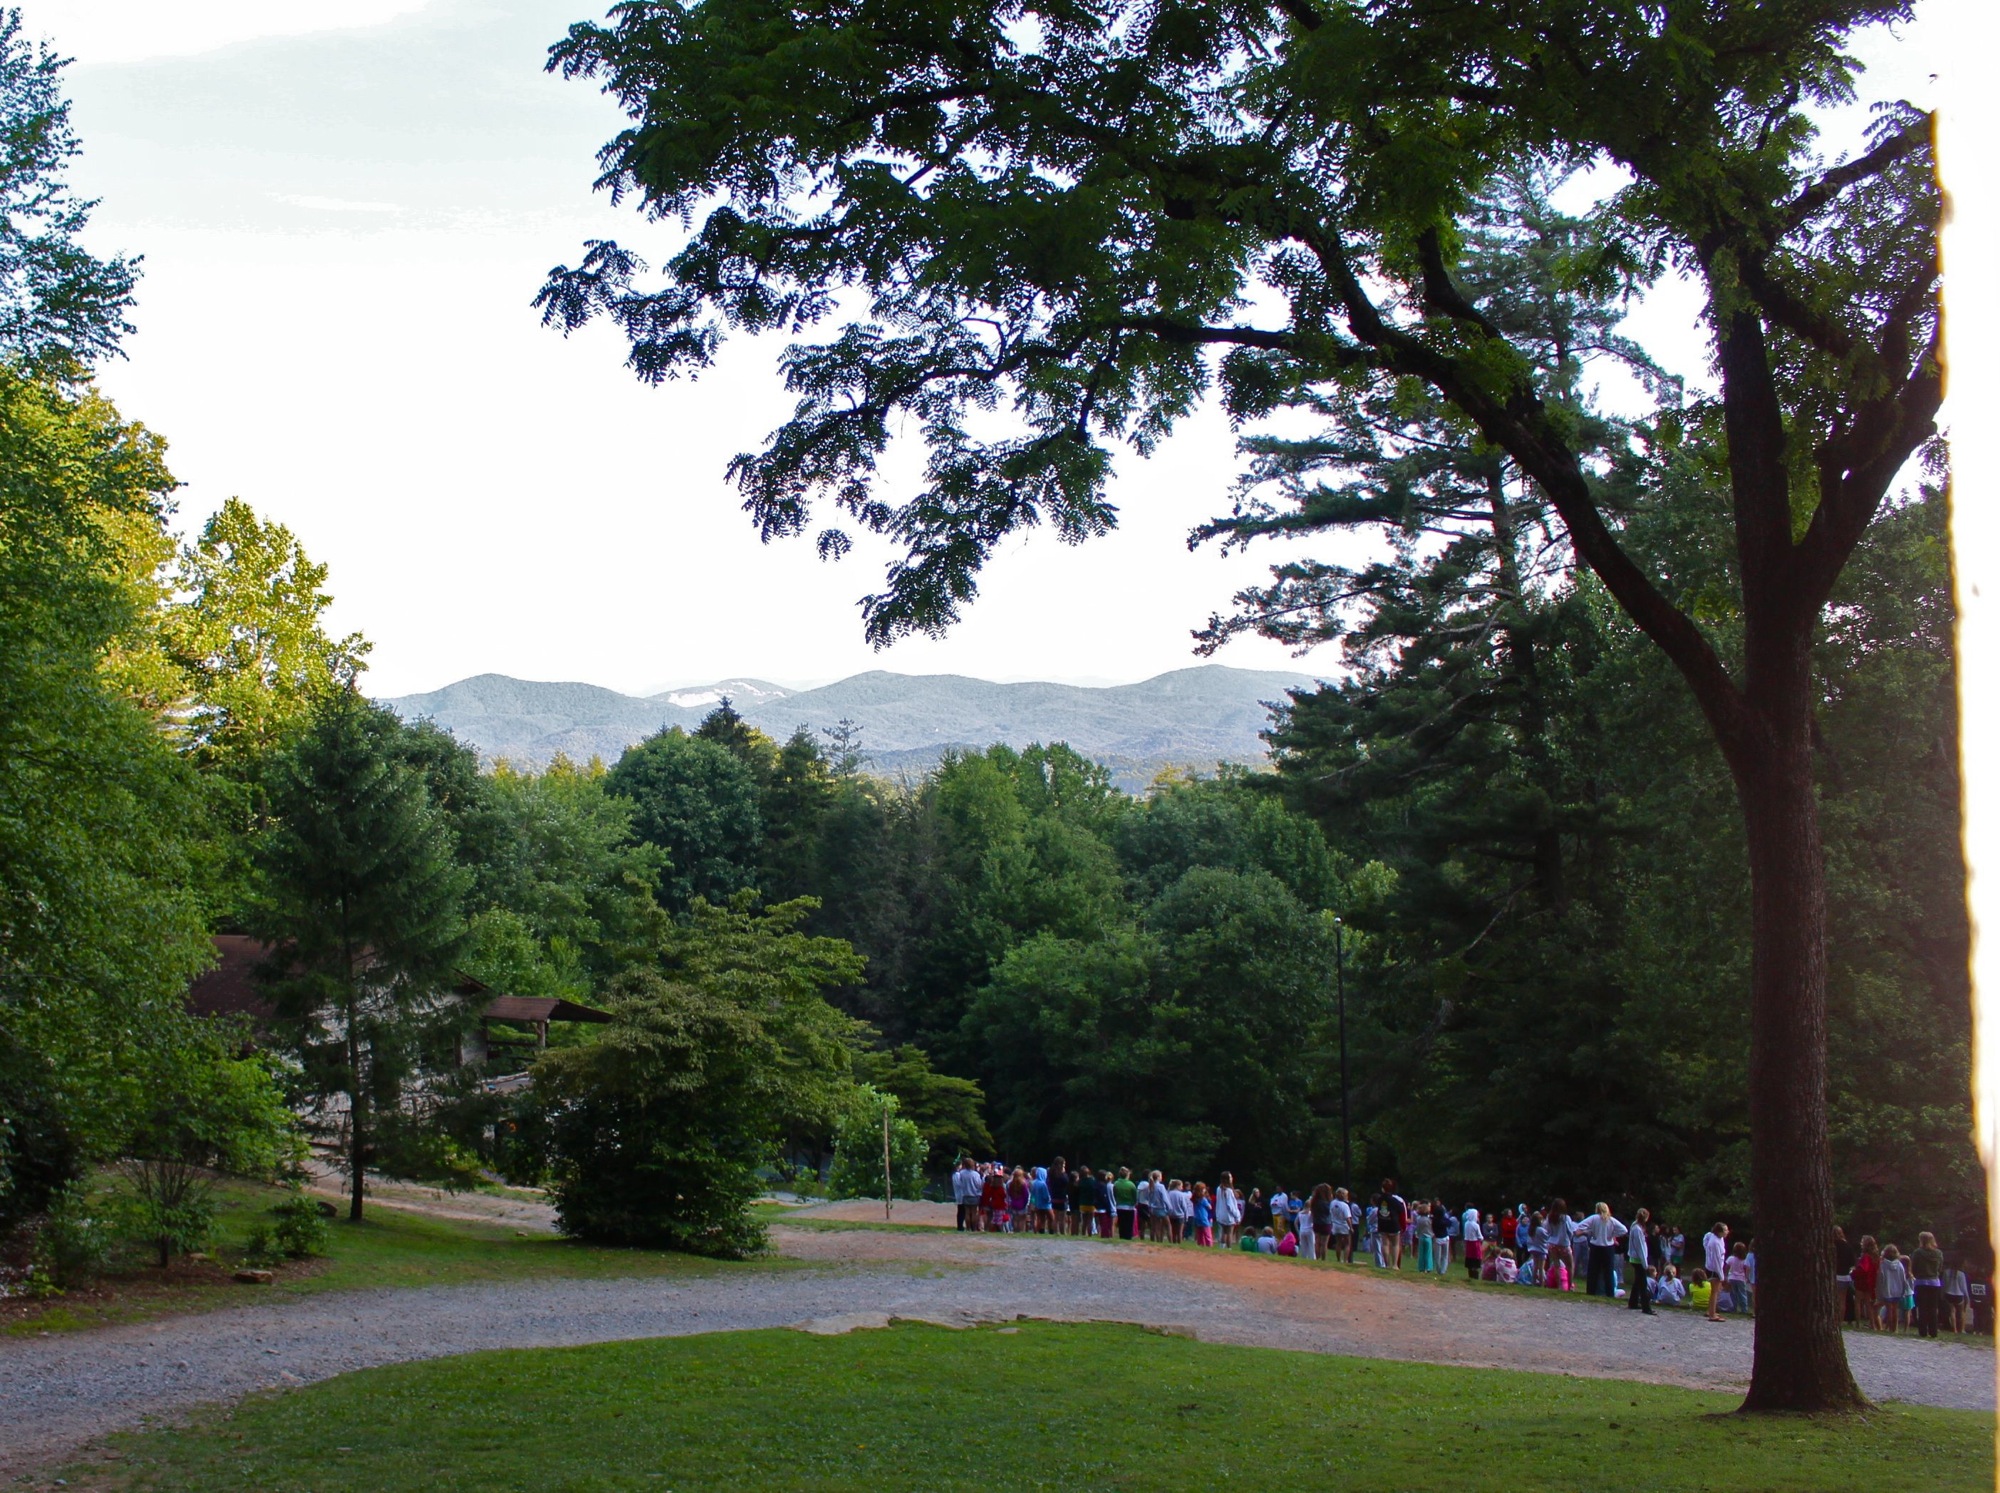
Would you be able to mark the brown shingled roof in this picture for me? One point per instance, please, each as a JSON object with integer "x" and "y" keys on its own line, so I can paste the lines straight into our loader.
{"x": 537, "y": 1008}
{"x": 232, "y": 988}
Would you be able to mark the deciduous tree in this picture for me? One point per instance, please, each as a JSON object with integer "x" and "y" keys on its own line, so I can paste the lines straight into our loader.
{"x": 1065, "y": 208}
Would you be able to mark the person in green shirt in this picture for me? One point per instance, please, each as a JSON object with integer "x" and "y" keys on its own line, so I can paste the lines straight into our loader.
{"x": 1927, "y": 1271}
{"x": 1125, "y": 1196}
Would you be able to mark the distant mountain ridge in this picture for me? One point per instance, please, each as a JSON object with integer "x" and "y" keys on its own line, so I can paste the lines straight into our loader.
{"x": 1194, "y": 717}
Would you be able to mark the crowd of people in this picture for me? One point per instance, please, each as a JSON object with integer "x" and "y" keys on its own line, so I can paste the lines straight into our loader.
{"x": 1644, "y": 1261}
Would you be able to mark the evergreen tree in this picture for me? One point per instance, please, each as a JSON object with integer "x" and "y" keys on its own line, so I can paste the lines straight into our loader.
{"x": 361, "y": 894}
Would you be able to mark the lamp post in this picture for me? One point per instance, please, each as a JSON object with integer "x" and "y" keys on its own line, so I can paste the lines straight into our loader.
{"x": 1340, "y": 999}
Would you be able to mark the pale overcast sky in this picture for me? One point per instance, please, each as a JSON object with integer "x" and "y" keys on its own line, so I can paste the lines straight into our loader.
{"x": 345, "y": 208}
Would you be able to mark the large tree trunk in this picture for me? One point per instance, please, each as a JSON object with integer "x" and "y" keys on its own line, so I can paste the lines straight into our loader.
{"x": 357, "y": 1154}
{"x": 357, "y": 1115}
{"x": 1800, "y": 1361}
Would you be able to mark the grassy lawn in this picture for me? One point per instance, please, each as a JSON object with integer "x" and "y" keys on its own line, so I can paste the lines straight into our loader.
{"x": 389, "y": 1247}
{"x": 919, "y": 1406}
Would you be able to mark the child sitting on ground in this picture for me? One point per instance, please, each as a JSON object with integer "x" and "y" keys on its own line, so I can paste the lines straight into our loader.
{"x": 1556, "y": 1276}
{"x": 1700, "y": 1289}
{"x": 1669, "y": 1290}
{"x": 1289, "y": 1245}
{"x": 1267, "y": 1242}
{"x": 1506, "y": 1269}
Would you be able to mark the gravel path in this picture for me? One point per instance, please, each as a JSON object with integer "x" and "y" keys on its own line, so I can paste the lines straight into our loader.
{"x": 59, "y": 1392}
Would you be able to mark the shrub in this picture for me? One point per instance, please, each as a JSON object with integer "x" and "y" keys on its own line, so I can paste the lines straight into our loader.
{"x": 73, "y": 1241}
{"x": 658, "y": 1126}
{"x": 208, "y": 1111}
{"x": 257, "y": 1246}
{"x": 301, "y": 1226}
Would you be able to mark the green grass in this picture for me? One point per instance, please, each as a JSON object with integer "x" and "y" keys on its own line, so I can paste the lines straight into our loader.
{"x": 927, "y": 1407}
{"x": 388, "y": 1248}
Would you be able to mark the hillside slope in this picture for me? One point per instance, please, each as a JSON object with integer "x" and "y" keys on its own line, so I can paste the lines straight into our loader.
{"x": 1193, "y": 717}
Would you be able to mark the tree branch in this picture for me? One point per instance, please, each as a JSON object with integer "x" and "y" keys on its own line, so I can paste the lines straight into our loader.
{"x": 1440, "y": 294}
{"x": 1816, "y": 196}
{"x": 1519, "y": 425}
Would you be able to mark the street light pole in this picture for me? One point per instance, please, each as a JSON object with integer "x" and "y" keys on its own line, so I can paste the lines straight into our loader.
{"x": 1340, "y": 997}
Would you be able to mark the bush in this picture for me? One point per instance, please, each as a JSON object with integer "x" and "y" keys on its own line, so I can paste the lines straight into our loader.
{"x": 301, "y": 1228}
{"x": 657, "y": 1127}
{"x": 209, "y": 1111}
{"x": 73, "y": 1241}
{"x": 170, "y": 1207}
{"x": 857, "y": 1150}
{"x": 257, "y": 1246}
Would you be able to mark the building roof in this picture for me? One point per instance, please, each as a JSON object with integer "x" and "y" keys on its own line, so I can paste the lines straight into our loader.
{"x": 233, "y": 989}
{"x": 538, "y": 1008}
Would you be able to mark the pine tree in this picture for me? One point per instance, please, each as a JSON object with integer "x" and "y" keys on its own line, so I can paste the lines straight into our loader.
{"x": 360, "y": 893}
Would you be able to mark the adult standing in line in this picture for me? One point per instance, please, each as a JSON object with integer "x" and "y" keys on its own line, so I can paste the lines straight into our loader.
{"x": 1256, "y": 1213}
{"x": 1927, "y": 1269}
{"x": 1125, "y": 1203}
{"x": 1638, "y": 1256}
{"x": 1422, "y": 1224}
{"x": 1473, "y": 1239}
{"x": 1302, "y": 1227}
{"x": 1107, "y": 1204}
{"x": 1603, "y": 1234}
{"x": 1084, "y": 1189}
{"x": 1322, "y": 1217}
{"x": 1444, "y": 1233}
{"x": 1392, "y": 1214}
{"x": 1341, "y": 1218}
{"x": 965, "y": 1186}
{"x": 1715, "y": 1257}
{"x": 1228, "y": 1210}
{"x": 1059, "y": 1196}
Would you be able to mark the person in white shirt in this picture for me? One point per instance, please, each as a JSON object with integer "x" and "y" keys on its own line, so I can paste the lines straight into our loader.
{"x": 1473, "y": 1239}
{"x": 1343, "y": 1226}
{"x": 1228, "y": 1210}
{"x": 1714, "y": 1255}
{"x": 1603, "y": 1234}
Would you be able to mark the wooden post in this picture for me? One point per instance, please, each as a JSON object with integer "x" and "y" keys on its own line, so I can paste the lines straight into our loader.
{"x": 888, "y": 1171}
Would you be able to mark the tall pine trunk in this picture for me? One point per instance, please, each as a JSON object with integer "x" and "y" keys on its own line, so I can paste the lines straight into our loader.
{"x": 1800, "y": 1361}
{"x": 357, "y": 1138}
